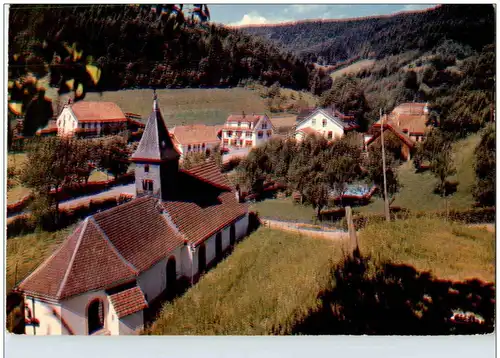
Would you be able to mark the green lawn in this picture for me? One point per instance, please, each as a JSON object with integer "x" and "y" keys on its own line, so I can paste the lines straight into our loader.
{"x": 417, "y": 191}
{"x": 284, "y": 209}
{"x": 269, "y": 282}
{"x": 449, "y": 250}
{"x": 25, "y": 253}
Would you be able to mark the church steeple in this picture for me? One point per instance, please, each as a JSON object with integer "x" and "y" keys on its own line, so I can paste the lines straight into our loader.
{"x": 156, "y": 158}
{"x": 156, "y": 144}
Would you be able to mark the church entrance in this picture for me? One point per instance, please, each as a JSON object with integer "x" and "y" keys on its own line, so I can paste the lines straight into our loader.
{"x": 171, "y": 276}
{"x": 218, "y": 245}
{"x": 95, "y": 316}
{"x": 202, "y": 259}
{"x": 232, "y": 235}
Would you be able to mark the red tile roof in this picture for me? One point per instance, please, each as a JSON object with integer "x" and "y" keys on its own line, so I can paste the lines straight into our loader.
{"x": 195, "y": 134}
{"x": 308, "y": 131}
{"x": 128, "y": 301}
{"x": 86, "y": 111}
{"x": 203, "y": 206}
{"x": 253, "y": 118}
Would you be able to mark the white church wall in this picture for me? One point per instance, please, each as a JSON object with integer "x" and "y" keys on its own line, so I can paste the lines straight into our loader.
{"x": 49, "y": 323}
{"x": 152, "y": 174}
{"x": 210, "y": 249}
{"x": 241, "y": 227}
{"x": 154, "y": 280}
{"x": 131, "y": 324}
{"x": 225, "y": 237}
{"x": 74, "y": 311}
{"x": 185, "y": 261}
{"x": 66, "y": 122}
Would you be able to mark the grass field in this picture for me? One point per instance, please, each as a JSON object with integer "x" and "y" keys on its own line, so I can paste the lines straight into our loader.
{"x": 417, "y": 192}
{"x": 25, "y": 253}
{"x": 449, "y": 250}
{"x": 284, "y": 209}
{"x": 268, "y": 283}
{"x": 354, "y": 68}
{"x": 255, "y": 291}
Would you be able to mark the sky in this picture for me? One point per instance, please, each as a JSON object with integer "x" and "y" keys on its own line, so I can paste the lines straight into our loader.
{"x": 237, "y": 15}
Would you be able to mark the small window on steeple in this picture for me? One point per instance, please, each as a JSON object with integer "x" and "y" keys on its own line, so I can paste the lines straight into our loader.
{"x": 146, "y": 168}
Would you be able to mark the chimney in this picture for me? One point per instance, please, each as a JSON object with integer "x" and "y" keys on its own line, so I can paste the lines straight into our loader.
{"x": 243, "y": 114}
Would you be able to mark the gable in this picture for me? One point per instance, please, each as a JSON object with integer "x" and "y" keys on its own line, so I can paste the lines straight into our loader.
{"x": 65, "y": 117}
{"x": 319, "y": 115}
{"x": 262, "y": 120}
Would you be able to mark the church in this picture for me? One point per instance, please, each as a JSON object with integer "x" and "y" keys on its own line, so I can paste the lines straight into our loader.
{"x": 105, "y": 274}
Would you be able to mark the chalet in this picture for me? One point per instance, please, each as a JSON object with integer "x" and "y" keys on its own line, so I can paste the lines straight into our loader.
{"x": 196, "y": 138}
{"x": 326, "y": 122}
{"x": 92, "y": 118}
{"x": 242, "y": 130}
{"x": 409, "y": 122}
{"x": 105, "y": 275}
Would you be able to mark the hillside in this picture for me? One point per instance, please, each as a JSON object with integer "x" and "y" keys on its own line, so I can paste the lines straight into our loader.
{"x": 136, "y": 47}
{"x": 330, "y": 41}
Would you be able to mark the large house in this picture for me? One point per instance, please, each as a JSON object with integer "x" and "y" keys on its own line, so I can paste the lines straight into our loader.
{"x": 326, "y": 122}
{"x": 196, "y": 138}
{"x": 105, "y": 275}
{"x": 242, "y": 130}
{"x": 91, "y": 118}
{"x": 409, "y": 122}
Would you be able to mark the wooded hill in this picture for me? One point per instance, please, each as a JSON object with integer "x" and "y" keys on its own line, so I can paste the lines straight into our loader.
{"x": 332, "y": 41}
{"x": 137, "y": 47}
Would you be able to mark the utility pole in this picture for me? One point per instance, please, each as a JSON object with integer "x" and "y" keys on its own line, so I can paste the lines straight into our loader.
{"x": 386, "y": 200}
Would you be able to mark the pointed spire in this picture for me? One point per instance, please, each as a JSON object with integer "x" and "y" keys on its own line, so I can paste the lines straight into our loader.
{"x": 156, "y": 144}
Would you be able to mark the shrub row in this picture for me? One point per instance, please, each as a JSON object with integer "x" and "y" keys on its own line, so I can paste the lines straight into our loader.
{"x": 25, "y": 224}
{"x": 75, "y": 191}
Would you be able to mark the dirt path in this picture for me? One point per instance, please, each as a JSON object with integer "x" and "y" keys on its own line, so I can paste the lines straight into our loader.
{"x": 488, "y": 227}
{"x": 294, "y": 227}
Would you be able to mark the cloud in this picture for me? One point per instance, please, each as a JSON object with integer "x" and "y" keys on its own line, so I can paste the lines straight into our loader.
{"x": 302, "y": 8}
{"x": 254, "y": 18}
{"x": 414, "y": 7}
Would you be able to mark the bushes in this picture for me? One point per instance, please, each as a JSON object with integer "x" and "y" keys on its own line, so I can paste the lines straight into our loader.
{"x": 25, "y": 224}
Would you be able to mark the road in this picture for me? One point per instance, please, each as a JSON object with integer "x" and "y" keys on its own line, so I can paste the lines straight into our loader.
{"x": 233, "y": 153}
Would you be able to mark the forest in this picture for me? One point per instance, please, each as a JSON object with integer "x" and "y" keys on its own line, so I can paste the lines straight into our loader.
{"x": 328, "y": 42}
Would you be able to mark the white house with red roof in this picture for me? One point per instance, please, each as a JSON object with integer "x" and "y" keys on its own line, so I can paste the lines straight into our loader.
{"x": 326, "y": 122}
{"x": 104, "y": 277}
{"x": 90, "y": 117}
{"x": 196, "y": 138}
{"x": 243, "y": 130}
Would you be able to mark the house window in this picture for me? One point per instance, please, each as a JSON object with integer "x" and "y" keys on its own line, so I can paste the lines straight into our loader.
{"x": 324, "y": 122}
{"x": 260, "y": 134}
{"x": 146, "y": 168}
{"x": 226, "y": 141}
{"x": 330, "y": 135}
{"x": 248, "y": 143}
{"x": 249, "y": 134}
{"x": 269, "y": 133}
{"x": 264, "y": 125}
{"x": 238, "y": 134}
{"x": 189, "y": 147}
{"x": 147, "y": 185}
{"x": 203, "y": 146}
{"x": 230, "y": 134}
{"x": 239, "y": 124}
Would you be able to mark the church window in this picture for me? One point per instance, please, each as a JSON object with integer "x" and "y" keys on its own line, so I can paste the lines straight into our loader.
{"x": 146, "y": 168}
{"x": 95, "y": 316}
{"x": 147, "y": 185}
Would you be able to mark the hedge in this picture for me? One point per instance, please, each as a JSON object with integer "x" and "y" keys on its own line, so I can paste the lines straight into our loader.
{"x": 24, "y": 224}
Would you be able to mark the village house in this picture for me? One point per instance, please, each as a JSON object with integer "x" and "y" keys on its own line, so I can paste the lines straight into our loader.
{"x": 326, "y": 122}
{"x": 409, "y": 122}
{"x": 242, "y": 130}
{"x": 196, "y": 138}
{"x": 86, "y": 118}
{"x": 107, "y": 273}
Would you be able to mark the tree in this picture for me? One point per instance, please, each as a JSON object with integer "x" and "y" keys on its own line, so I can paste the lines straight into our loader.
{"x": 375, "y": 174}
{"x": 114, "y": 155}
{"x": 49, "y": 166}
{"x": 485, "y": 168}
{"x": 442, "y": 167}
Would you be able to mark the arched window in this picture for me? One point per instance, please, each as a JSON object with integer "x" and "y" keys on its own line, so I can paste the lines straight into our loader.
{"x": 146, "y": 168}
{"x": 232, "y": 235}
{"x": 95, "y": 316}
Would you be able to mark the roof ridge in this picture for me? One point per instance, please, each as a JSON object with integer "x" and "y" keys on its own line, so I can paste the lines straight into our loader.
{"x": 113, "y": 247}
{"x": 72, "y": 260}
{"x": 170, "y": 222}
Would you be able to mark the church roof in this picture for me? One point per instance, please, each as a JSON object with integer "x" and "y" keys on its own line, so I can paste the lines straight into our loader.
{"x": 114, "y": 246}
{"x": 156, "y": 143}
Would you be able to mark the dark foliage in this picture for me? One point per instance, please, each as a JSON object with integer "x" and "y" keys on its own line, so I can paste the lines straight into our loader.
{"x": 329, "y": 42}
{"x": 485, "y": 168}
{"x": 135, "y": 47}
{"x": 399, "y": 300}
